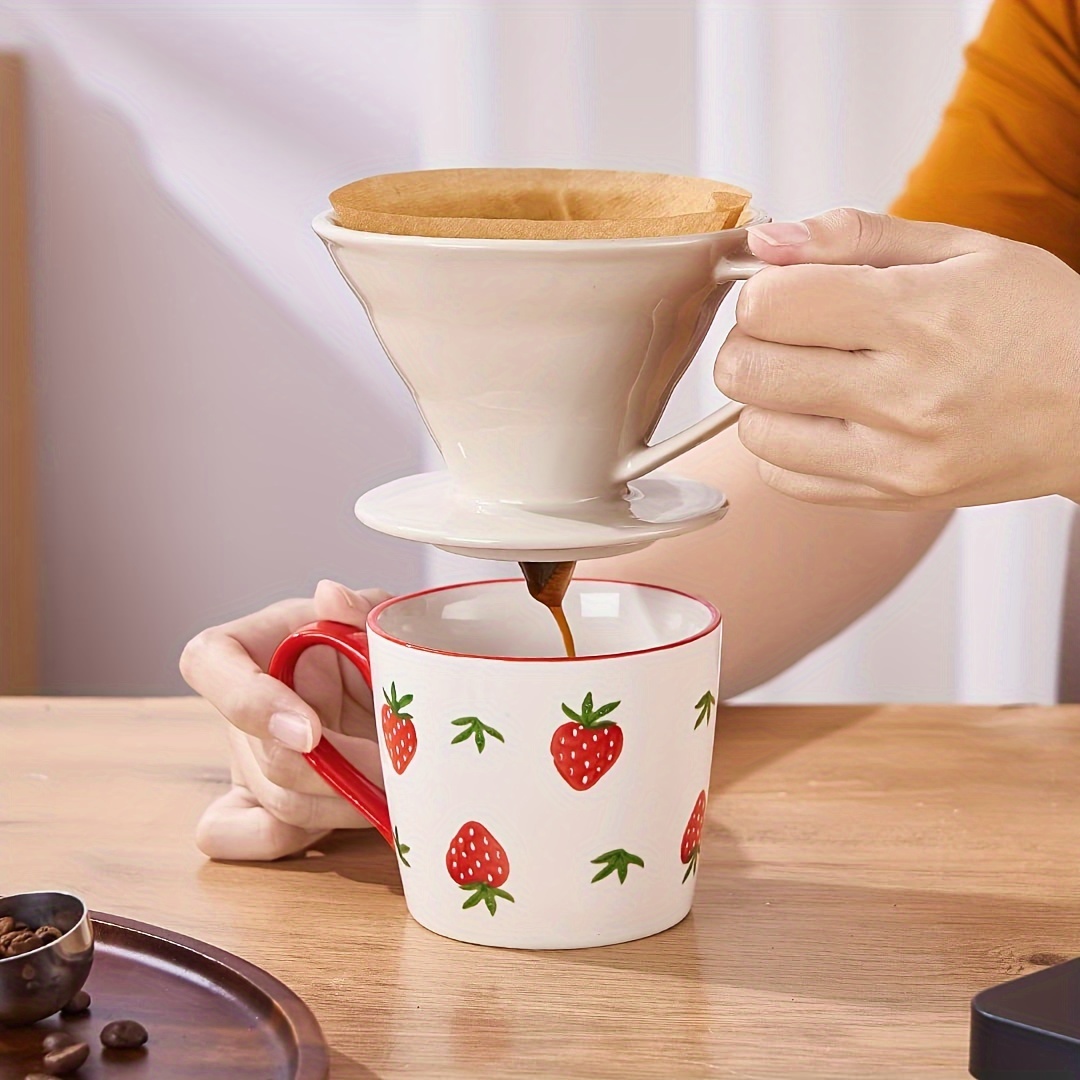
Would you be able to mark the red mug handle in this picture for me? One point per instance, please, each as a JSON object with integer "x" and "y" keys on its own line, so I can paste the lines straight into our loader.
{"x": 347, "y": 780}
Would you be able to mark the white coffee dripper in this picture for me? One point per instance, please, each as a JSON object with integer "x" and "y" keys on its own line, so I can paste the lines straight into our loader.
{"x": 541, "y": 369}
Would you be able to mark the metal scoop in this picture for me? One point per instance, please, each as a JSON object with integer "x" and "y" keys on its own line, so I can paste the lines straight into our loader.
{"x": 38, "y": 983}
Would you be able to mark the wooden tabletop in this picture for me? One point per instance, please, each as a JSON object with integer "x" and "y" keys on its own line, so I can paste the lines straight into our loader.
{"x": 865, "y": 871}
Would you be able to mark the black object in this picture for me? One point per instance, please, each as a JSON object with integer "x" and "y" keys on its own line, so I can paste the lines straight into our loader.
{"x": 1028, "y": 1028}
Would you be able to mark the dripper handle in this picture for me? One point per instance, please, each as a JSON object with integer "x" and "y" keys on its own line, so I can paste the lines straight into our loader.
{"x": 340, "y": 773}
{"x": 736, "y": 265}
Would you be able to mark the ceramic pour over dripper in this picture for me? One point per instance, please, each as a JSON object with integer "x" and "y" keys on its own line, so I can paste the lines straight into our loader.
{"x": 541, "y": 319}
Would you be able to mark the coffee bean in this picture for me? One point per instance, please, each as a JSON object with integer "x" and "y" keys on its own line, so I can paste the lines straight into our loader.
{"x": 79, "y": 1003}
{"x": 57, "y": 1040}
{"x": 66, "y": 1060}
{"x": 124, "y": 1035}
{"x": 17, "y": 938}
{"x": 22, "y": 943}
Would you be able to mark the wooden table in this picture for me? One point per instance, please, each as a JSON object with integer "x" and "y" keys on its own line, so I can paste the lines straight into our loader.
{"x": 865, "y": 871}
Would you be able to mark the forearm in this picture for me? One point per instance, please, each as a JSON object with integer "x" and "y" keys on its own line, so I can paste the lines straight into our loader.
{"x": 787, "y": 575}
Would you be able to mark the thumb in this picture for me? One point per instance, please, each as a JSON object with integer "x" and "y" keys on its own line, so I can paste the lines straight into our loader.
{"x": 337, "y": 603}
{"x": 856, "y": 238}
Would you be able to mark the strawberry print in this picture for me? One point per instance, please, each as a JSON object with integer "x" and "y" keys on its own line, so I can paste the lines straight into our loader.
{"x": 475, "y": 730}
{"x": 399, "y": 731}
{"x": 478, "y": 863}
{"x": 704, "y": 707}
{"x": 618, "y": 862}
{"x": 691, "y": 837}
{"x": 587, "y": 746}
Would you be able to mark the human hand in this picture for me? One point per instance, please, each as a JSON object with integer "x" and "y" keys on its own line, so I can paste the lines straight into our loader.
{"x": 906, "y": 365}
{"x": 278, "y": 804}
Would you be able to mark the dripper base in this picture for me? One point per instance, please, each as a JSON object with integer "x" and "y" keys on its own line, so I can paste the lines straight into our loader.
{"x": 427, "y": 508}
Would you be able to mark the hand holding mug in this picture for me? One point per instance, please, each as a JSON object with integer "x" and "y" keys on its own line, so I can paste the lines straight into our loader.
{"x": 278, "y": 804}
{"x": 534, "y": 800}
{"x": 906, "y": 365}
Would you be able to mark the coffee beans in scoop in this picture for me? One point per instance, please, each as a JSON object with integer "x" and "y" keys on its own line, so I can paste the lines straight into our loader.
{"x": 17, "y": 937}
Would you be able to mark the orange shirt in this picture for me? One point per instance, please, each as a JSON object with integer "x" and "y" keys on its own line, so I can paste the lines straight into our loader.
{"x": 1007, "y": 157}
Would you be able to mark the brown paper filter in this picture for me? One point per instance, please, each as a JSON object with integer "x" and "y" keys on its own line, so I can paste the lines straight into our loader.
{"x": 538, "y": 204}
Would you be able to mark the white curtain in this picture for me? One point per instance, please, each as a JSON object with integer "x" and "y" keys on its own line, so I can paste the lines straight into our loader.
{"x": 239, "y": 118}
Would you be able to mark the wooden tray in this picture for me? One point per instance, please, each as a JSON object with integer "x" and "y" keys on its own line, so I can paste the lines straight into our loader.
{"x": 209, "y": 1014}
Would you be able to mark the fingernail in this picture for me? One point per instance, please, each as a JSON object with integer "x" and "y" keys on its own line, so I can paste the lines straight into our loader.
{"x": 781, "y": 233}
{"x": 292, "y": 730}
{"x": 343, "y": 593}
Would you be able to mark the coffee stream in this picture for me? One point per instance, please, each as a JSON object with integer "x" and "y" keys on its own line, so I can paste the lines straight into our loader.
{"x": 548, "y": 582}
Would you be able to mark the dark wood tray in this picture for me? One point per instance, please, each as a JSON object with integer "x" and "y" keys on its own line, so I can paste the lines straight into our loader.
{"x": 209, "y": 1014}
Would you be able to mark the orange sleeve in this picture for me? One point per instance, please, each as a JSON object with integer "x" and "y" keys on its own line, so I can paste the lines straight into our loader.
{"x": 1007, "y": 157}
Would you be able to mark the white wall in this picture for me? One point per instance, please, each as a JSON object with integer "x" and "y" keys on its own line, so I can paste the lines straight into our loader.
{"x": 211, "y": 399}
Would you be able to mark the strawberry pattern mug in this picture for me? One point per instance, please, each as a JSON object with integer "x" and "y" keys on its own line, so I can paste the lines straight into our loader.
{"x": 535, "y": 801}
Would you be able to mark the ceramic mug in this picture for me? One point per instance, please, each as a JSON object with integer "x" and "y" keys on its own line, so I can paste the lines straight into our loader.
{"x": 535, "y": 801}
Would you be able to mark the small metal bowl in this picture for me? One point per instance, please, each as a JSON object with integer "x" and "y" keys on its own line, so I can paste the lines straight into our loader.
{"x": 37, "y": 984}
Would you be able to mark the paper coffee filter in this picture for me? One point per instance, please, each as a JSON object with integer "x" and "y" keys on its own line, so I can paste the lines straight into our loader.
{"x": 538, "y": 204}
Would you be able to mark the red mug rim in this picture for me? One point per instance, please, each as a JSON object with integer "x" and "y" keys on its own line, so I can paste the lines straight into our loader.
{"x": 715, "y": 620}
